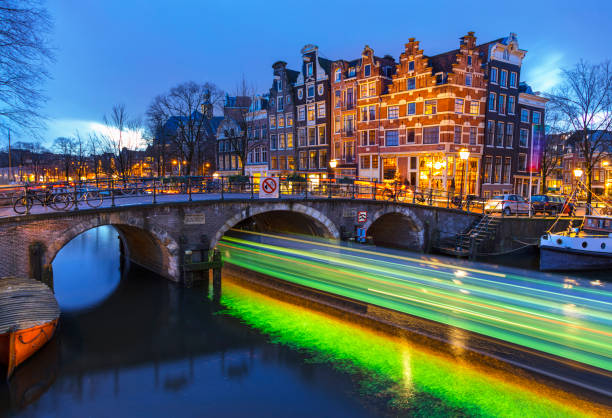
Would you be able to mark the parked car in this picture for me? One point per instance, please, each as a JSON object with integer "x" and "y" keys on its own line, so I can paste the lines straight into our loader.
{"x": 551, "y": 205}
{"x": 507, "y": 204}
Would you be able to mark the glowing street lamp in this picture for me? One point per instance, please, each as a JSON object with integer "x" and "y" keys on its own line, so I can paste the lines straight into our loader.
{"x": 333, "y": 164}
{"x": 578, "y": 173}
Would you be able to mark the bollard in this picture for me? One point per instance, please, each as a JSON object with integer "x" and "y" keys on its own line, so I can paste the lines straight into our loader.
{"x": 76, "y": 197}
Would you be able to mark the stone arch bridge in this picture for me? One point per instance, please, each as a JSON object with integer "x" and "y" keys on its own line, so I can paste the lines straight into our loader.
{"x": 157, "y": 236}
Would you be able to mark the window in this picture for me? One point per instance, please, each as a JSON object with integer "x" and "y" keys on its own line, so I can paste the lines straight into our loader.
{"x": 338, "y": 98}
{"x": 372, "y": 89}
{"x": 523, "y": 138}
{"x": 513, "y": 79}
{"x": 282, "y": 163}
{"x": 364, "y": 138}
{"x": 431, "y": 135}
{"x": 303, "y": 160}
{"x": 272, "y": 122}
{"x": 391, "y": 138}
{"x": 458, "y": 132}
{"x": 458, "y": 105}
{"x": 469, "y": 60}
{"x": 323, "y": 158}
{"x": 367, "y": 70}
{"x": 273, "y": 163}
{"x": 364, "y": 162}
{"x": 503, "y": 79}
{"x": 411, "y": 83}
{"x": 351, "y": 72}
{"x": 281, "y": 141}
{"x": 507, "y": 170}
{"x": 474, "y": 107}
{"x": 522, "y": 162}
{"x": 374, "y": 161}
{"x": 272, "y": 141}
{"x": 410, "y": 65}
{"x": 372, "y": 112}
{"x": 312, "y": 136}
{"x": 279, "y": 85}
{"x": 300, "y": 93}
{"x": 492, "y": 102}
{"x": 320, "y": 89}
{"x": 309, "y": 69}
{"x": 511, "y": 104}
{"x": 411, "y": 108}
{"x": 310, "y": 91}
{"x": 313, "y": 160}
{"x": 525, "y": 115}
{"x": 498, "y": 169}
{"x": 288, "y": 99}
{"x": 311, "y": 113}
{"x": 490, "y": 132}
{"x": 290, "y": 140}
{"x": 509, "y": 134}
{"x": 468, "y": 79}
{"x": 281, "y": 121}
{"x": 499, "y": 137}
{"x": 493, "y": 77}
{"x": 291, "y": 163}
{"x": 487, "y": 170}
{"x": 535, "y": 117}
{"x": 410, "y": 135}
{"x": 473, "y": 133}
{"x": 322, "y": 136}
{"x": 502, "y": 104}
{"x": 302, "y": 137}
{"x": 321, "y": 110}
{"x": 289, "y": 120}
{"x": 431, "y": 107}
{"x": 393, "y": 112}
{"x": 338, "y": 76}
{"x": 301, "y": 113}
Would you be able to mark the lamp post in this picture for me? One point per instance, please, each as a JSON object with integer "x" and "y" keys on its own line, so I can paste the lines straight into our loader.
{"x": 464, "y": 154}
{"x": 333, "y": 164}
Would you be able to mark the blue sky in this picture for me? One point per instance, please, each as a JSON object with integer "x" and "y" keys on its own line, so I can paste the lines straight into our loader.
{"x": 128, "y": 51}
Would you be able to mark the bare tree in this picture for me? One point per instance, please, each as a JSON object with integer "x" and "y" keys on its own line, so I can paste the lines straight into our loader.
{"x": 584, "y": 102}
{"x": 24, "y": 54}
{"x": 94, "y": 146}
{"x": 64, "y": 147}
{"x": 239, "y": 131}
{"x": 121, "y": 135}
{"x": 185, "y": 112}
{"x": 157, "y": 140}
{"x": 80, "y": 154}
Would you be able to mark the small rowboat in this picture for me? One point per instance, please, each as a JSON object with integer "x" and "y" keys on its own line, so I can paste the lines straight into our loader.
{"x": 28, "y": 318}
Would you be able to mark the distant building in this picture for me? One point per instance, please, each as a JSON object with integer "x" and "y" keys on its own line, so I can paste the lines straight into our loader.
{"x": 232, "y": 127}
{"x": 257, "y": 134}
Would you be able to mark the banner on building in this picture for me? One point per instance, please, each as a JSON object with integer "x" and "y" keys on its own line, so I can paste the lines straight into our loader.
{"x": 537, "y": 148}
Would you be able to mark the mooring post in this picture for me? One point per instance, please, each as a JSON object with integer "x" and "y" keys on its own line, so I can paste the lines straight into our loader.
{"x": 187, "y": 273}
{"x": 217, "y": 263}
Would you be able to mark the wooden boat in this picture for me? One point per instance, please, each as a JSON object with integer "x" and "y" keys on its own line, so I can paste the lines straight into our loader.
{"x": 28, "y": 318}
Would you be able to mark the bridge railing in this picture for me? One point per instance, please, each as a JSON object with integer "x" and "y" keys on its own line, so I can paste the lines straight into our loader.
{"x": 109, "y": 192}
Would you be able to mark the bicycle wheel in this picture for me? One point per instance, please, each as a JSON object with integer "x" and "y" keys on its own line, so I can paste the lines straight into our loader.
{"x": 388, "y": 194}
{"x": 60, "y": 201}
{"x": 94, "y": 199}
{"x": 22, "y": 205}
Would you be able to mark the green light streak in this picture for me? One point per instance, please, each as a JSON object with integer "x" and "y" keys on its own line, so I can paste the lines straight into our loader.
{"x": 394, "y": 369}
{"x": 576, "y": 332}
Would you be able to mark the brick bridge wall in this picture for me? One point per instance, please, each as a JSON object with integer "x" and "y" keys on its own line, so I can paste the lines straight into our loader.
{"x": 156, "y": 236}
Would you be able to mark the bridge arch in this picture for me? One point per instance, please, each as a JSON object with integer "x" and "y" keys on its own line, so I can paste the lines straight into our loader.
{"x": 328, "y": 228}
{"x": 149, "y": 247}
{"x": 397, "y": 226}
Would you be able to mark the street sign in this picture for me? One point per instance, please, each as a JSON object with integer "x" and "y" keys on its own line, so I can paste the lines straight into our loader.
{"x": 362, "y": 216}
{"x": 269, "y": 188}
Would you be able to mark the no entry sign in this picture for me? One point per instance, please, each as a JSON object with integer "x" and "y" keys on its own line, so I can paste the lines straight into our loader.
{"x": 362, "y": 216}
{"x": 268, "y": 188}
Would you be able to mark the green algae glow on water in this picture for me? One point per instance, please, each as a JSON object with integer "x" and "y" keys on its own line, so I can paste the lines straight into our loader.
{"x": 411, "y": 378}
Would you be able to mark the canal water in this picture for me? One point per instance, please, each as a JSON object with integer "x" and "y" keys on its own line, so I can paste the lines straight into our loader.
{"x": 133, "y": 344}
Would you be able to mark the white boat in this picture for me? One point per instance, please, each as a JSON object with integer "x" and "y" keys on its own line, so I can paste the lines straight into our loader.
{"x": 586, "y": 248}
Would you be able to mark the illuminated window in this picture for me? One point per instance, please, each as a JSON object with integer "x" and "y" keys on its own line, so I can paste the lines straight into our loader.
{"x": 364, "y": 162}
{"x": 321, "y": 110}
{"x": 431, "y": 107}
{"x": 311, "y": 113}
{"x": 313, "y": 160}
{"x": 289, "y": 140}
{"x": 393, "y": 112}
{"x": 487, "y": 169}
{"x": 272, "y": 122}
{"x": 289, "y": 120}
{"x": 474, "y": 107}
{"x": 281, "y": 141}
{"x": 322, "y": 135}
{"x": 281, "y": 121}
{"x": 372, "y": 89}
{"x": 303, "y": 160}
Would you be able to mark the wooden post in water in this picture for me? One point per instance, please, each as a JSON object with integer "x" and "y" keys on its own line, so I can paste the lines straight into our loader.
{"x": 217, "y": 263}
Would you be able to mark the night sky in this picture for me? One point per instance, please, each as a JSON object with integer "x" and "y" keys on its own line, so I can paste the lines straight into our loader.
{"x": 128, "y": 51}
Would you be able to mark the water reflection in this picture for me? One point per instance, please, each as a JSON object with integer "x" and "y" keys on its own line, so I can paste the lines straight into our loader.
{"x": 86, "y": 269}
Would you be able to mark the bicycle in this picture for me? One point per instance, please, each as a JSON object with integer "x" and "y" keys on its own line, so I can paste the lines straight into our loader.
{"x": 56, "y": 201}
{"x": 92, "y": 197}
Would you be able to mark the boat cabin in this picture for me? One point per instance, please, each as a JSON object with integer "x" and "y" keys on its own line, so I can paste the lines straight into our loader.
{"x": 598, "y": 225}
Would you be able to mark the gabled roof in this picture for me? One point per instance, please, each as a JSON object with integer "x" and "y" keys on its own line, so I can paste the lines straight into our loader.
{"x": 292, "y": 75}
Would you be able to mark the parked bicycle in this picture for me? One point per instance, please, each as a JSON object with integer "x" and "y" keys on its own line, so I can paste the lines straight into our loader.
{"x": 91, "y": 196}
{"x": 46, "y": 197}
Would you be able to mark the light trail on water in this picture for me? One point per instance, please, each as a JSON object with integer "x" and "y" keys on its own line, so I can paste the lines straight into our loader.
{"x": 532, "y": 310}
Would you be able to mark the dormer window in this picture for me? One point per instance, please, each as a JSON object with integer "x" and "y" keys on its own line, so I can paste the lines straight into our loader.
{"x": 309, "y": 69}
{"x": 469, "y": 60}
{"x": 279, "y": 85}
{"x": 338, "y": 75}
{"x": 351, "y": 72}
{"x": 410, "y": 65}
{"x": 367, "y": 70}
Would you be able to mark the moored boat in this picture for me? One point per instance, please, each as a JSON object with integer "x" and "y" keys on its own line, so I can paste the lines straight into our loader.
{"x": 588, "y": 247}
{"x": 29, "y": 315}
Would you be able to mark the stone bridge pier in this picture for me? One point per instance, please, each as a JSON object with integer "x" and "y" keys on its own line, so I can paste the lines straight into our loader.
{"x": 169, "y": 239}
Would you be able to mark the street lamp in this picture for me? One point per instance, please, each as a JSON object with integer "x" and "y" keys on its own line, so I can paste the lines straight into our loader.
{"x": 464, "y": 154}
